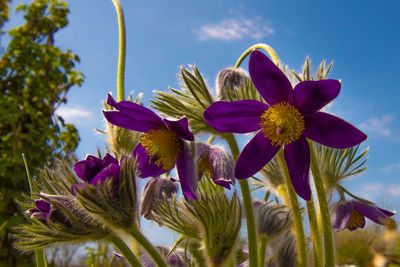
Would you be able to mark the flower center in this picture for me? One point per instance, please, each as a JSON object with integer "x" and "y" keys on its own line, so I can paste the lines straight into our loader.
{"x": 356, "y": 220}
{"x": 203, "y": 165}
{"x": 162, "y": 146}
{"x": 282, "y": 124}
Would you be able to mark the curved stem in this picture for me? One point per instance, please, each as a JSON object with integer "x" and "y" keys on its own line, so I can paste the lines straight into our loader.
{"x": 40, "y": 255}
{"x": 315, "y": 233}
{"x": 122, "y": 49}
{"x": 248, "y": 205}
{"x": 297, "y": 219}
{"x": 261, "y": 250}
{"x": 324, "y": 211}
{"x": 123, "y": 248}
{"x": 142, "y": 240}
{"x": 266, "y": 47}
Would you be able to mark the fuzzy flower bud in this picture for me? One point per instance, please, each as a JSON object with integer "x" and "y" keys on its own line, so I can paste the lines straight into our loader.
{"x": 227, "y": 80}
{"x": 109, "y": 194}
{"x": 216, "y": 162}
{"x": 272, "y": 220}
{"x": 156, "y": 189}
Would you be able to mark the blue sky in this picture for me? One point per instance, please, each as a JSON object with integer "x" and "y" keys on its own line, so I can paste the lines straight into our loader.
{"x": 360, "y": 37}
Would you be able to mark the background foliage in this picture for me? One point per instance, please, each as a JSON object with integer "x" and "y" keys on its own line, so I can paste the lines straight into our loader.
{"x": 35, "y": 77}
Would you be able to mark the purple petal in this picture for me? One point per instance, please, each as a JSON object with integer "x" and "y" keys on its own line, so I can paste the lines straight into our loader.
{"x": 297, "y": 156}
{"x": 134, "y": 109}
{"x": 370, "y": 211}
{"x": 187, "y": 172}
{"x": 42, "y": 205}
{"x": 108, "y": 159}
{"x": 132, "y": 121}
{"x": 86, "y": 169}
{"x": 386, "y": 212}
{"x": 341, "y": 215}
{"x": 180, "y": 128}
{"x": 311, "y": 96}
{"x": 222, "y": 167}
{"x": 269, "y": 80}
{"x": 144, "y": 166}
{"x": 241, "y": 116}
{"x": 258, "y": 152}
{"x": 331, "y": 131}
{"x": 201, "y": 149}
{"x": 111, "y": 171}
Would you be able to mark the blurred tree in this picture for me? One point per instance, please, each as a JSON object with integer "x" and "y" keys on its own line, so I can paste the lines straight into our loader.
{"x": 35, "y": 77}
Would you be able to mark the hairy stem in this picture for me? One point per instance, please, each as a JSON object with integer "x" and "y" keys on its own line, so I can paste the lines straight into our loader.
{"x": 142, "y": 240}
{"x": 40, "y": 256}
{"x": 297, "y": 219}
{"x": 324, "y": 211}
{"x": 266, "y": 47}
{"x": 248, "y": 205}
{"x": 122, "y": 50}
{"x": 261, "y": 253}
{"x": 123, "y": 248}
{"x": 315, "y": 233}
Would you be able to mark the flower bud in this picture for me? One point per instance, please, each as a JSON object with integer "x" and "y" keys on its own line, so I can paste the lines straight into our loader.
{"x": 229, "y": 79}
{"x": 216, "y": 162}
{"x": 272, "y": 220}
{"x": 156, "y": 189}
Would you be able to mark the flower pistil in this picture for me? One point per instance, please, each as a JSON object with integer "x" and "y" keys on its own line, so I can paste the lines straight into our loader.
{"x": 282, "y": 124}
{"x": 356, "y": 220}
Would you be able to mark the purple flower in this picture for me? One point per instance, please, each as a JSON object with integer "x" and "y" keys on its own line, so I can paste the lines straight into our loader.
{"x": 351, "y": 215}
{"x": 291, "y": 116}
{"x": 42, "y": 210}
{"x": 94, "y": 170}
{"x": 217, "y": 162}
{"x": 162, "y": 145}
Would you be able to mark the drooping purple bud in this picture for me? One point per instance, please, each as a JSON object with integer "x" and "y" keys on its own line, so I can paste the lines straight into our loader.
{"x": 229, "y": 79}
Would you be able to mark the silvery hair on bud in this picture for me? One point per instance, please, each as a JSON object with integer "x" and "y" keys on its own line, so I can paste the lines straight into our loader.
{"x": 272, "y": 219}
{"x": 229, "y": 79}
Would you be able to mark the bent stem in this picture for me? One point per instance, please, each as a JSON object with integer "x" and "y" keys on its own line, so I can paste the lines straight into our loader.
{"x": 297, "y": 219}
{"x": 266, "y": 47}
{"x": 122, "y": 50}
{"x": 123, "y": 248}
{"x": 324, "y": 211}
{"x": 40, "y": 255}
{"x": 315, "y": 234}
{"x": 248, "y": 205}
{"x": 142, "y": 240}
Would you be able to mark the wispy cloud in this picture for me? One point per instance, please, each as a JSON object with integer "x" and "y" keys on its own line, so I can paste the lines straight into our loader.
{"x": 372, "y": 190}
{"x": 235, "y": 29}
{"x": 75, "y": 114}
{"x": 380, "y": 126}
{"x": 391, "y": 167}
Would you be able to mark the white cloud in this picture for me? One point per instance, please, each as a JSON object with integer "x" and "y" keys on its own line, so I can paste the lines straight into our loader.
{"x": 394, "y": 190}
{"x": 391, "y": 167}
{"x": 372, "y": 190}
{"x": 380, "y": 126}
{"x": 73, "y": 114}
{"x": 235, "y": 29}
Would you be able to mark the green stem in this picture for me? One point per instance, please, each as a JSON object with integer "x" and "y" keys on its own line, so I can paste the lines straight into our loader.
{"x": 142, "y": 240}
{"x": 248, "y": 205}
{"x": 324, "y": 211}
{"x": 40, "y": 255}
{"x": 297, "y": 219}
{"x": 122, "y": 49}
{"x": 197, "y": 253}
{"x": 315, "y": 233}
{"x": 266, "y": 47}
{"x": 261, "y": 250}
{"x": 123, "y": 248}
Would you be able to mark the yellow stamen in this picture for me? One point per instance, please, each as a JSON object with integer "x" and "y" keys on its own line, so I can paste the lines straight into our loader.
{"x": 162, "y": 146}
{"x": 203, "y": 164}
{"x": 356, "y": 220}
{"x": 282, "y": 124}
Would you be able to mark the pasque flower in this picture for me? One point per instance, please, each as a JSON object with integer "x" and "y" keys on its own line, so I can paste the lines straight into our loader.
{"x": 217, "y": 162}
{"x": 161, "y": 146}
{"x": 291, "y": 116}
{"x": 351, "y": 215}
{"x": 94, "y": 170}
{"x": 42, "y": 210}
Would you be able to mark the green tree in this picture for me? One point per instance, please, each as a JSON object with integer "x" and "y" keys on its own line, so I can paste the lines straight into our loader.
{"x": 35, "y": 77}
